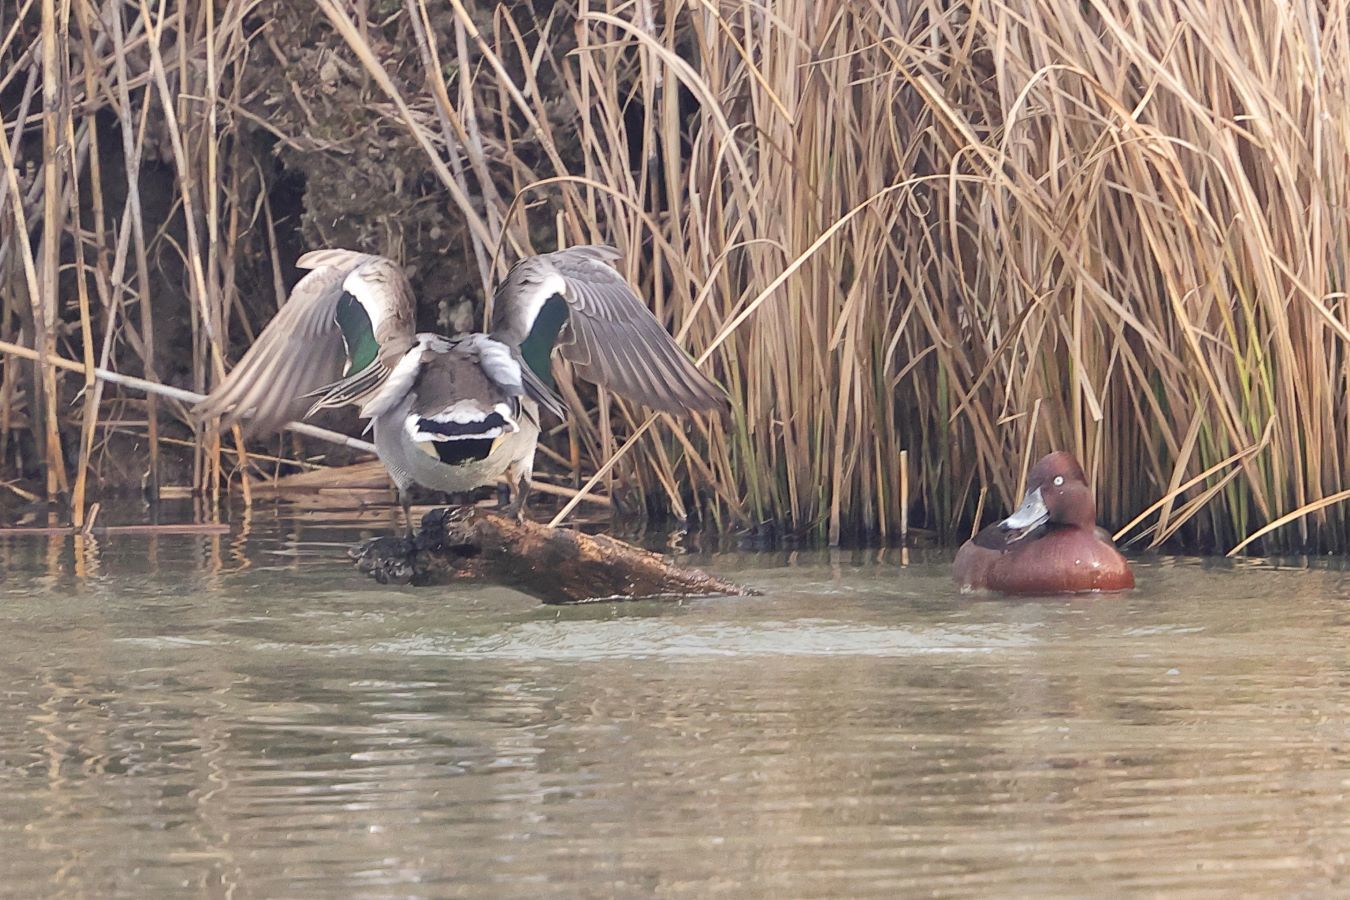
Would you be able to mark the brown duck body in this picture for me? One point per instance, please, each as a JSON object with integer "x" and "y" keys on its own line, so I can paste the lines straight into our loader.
{"x": 1063, "y": 560}
{"x": 1051, "y": 545}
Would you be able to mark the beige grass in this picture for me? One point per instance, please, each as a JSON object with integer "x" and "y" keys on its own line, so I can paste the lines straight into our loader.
{"x": 973, "y": 232}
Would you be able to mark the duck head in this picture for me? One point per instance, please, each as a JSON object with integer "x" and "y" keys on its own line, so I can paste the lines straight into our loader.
{"x": 1057, "y": 494}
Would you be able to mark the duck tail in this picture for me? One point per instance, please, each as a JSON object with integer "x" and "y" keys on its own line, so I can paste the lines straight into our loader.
{"x": 467, "y": 420}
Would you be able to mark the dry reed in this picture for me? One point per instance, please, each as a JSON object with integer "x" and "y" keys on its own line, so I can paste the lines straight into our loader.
{"x": 966, "y": 233}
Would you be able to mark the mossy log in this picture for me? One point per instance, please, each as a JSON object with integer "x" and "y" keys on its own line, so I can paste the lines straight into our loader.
{"x": 552, "y": 564}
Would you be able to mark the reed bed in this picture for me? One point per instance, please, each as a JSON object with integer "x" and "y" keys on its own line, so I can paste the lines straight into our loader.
{"x": 966, "y": 232}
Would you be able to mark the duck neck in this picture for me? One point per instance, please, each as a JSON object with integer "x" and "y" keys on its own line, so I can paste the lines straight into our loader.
{"x": 1077, "y": 509}
{"x": 537, "y": 347}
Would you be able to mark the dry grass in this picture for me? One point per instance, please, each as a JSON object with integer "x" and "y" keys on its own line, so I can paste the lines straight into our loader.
{"x": 973, "y": 232}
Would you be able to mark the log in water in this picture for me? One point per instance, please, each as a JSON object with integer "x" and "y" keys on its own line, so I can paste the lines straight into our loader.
{"x": 552, "y": 564}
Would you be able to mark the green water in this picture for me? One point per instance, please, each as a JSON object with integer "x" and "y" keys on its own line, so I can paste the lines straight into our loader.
{"x": 243, "y": 715}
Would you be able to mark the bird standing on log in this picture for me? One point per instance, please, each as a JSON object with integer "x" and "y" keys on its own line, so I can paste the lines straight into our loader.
{"x": 454, "y": 414}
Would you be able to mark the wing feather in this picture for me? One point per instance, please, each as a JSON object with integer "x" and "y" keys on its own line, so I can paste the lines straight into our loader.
{"x": 617, "y": 342}
{"x": 299, "y": 351}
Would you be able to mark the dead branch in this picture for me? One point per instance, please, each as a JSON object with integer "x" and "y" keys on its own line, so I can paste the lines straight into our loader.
{"x": 553, "y": 564}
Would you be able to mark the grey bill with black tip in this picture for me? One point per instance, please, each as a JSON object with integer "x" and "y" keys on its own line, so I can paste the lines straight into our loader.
{"x": 1032, "y": 514}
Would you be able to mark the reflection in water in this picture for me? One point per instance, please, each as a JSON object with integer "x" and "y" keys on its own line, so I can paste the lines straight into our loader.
{"x": 224, "y": 713}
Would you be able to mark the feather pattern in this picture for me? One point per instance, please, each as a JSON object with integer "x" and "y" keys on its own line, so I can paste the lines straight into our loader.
{"x": 405, "y": 374}
{"x": 464, "y": 388}
{"x": 301, "y": 351}
{"x": 464, "y": 421}
{"x": 456, "y": 413}
{"x": 611, "y": 337}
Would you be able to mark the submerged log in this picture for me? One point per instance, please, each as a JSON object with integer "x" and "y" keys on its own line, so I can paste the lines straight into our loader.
{"x": 552, "y": 564}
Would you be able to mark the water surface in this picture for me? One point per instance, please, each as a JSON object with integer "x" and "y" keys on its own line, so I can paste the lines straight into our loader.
{"x": 243, "y": 714}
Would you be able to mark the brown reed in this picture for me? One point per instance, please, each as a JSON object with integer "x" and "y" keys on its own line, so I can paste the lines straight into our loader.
{"x": 964, "y": 232}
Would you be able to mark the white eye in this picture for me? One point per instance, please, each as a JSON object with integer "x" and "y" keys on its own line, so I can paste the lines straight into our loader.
{"x": 1059, "y": 479}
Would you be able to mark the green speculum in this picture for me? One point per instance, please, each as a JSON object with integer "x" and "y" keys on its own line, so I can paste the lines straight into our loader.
{"x": 357, "y": 334}
{"x": 538, "y": 345}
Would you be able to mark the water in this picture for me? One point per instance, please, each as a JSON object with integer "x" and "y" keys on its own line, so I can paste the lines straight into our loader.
{"x": 246, "y": 716}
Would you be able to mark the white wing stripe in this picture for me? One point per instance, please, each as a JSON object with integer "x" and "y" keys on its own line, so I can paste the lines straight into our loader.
{"x": 397, "y": 385}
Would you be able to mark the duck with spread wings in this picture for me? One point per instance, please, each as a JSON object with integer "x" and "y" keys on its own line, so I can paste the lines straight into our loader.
{"x": 454, "y": 414}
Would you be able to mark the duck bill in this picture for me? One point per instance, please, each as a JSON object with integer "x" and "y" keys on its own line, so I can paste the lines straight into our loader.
{"x": 1031, "y": 515}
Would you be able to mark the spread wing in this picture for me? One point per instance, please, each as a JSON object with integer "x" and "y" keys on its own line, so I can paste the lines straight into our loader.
{"x": 610, "y": 336}
{"x": 299, "y": 352}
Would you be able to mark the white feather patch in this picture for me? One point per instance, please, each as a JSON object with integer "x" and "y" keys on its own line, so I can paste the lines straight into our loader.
{"x": 397, "y": 385}
{"x": 372, "y": 296}
{"x": 434, "y": 342}
{"x": 430, "y": 437}
{"x": 529, "y": 304}
{"x": 465, "y": 413}
{"x": 499, "y": 364}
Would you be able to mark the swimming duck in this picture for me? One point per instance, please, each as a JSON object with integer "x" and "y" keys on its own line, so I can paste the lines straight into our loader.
{"x": 1050, "y": 545}
{"x": 454, "y": 414}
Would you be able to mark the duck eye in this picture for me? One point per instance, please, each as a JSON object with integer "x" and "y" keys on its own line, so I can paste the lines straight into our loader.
{"x": 1059, "y": 479}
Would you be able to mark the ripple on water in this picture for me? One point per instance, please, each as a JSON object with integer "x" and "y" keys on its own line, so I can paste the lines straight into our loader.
{"x": 862, "y": 730}
{"x": 643, "y": 638}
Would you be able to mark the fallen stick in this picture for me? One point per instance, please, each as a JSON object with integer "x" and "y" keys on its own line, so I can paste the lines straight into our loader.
{"x": 552, "y": 564}
{"x": 101, "y": 530}
{"x": 164, "y": 390}
{"x": 323, "y": 434}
